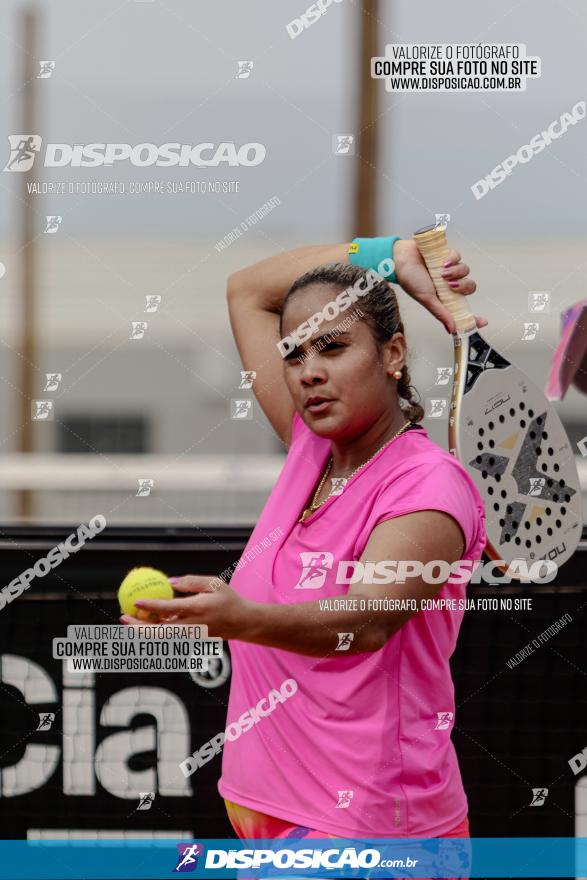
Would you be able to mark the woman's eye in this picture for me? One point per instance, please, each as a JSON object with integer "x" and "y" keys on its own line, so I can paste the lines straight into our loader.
{"x": 296, "y": 357}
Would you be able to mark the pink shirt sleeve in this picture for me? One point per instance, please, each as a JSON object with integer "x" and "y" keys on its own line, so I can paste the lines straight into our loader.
{"x": 434, "y": 484}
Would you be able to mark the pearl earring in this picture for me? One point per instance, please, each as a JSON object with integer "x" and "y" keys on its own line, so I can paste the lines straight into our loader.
{"x": 397, "y": 374}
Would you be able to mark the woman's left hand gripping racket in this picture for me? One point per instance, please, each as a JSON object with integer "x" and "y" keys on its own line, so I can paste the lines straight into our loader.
{"x": 509, "y": 438}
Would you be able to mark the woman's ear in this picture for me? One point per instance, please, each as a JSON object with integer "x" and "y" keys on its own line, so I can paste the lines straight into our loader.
{"x": 394, "y": 353}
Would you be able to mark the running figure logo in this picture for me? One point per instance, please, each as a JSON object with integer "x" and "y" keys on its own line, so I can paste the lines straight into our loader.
{"x": 53, "y": 381}
{"x": 344, "y": 641}
{"x": 442, "y": 220}
{"x": 53, "y": 223}
{"x": 443, "y": 720}
{"x": 344, "y": 799}
{"x": 42, "y": 410}
{"x": 443, "y": 375}
{"x": 437, "y": 407}
{"x": 530, "y": 330}
{"x": 46, "y": 719}
{"x": 314, "y": 568}
{"x": 247, "y": 378}
{"x": 47, "y": 68}
{"x": 241, "y": 409}
{"x": 244, "y": 69}
{"x": 343, "y": 144}
{"x": 137, "y": 329}
{"x": 146, "y": 799}
{"x": 188, "y": 856}
{"x": 23, "y": 149}
{"x": 338, "y": 484}
{"x": 536, "y": 485}
{"x": 539, "y": 301}
{"x": 539, "y": 795}
{"x": 152, "y": 302}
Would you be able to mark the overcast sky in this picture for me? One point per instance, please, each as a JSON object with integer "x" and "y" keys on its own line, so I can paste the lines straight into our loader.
{"x": 165, "y": 71}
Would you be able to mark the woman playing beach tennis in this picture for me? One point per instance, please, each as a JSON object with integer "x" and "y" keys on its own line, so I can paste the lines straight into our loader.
{"x": 350, "y": 701}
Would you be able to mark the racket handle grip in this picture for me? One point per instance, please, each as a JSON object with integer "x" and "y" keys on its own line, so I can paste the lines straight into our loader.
{"x": 433, "y": 247}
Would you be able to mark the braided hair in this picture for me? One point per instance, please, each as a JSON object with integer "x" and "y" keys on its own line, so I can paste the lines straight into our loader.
{"x": 381, "y": 314}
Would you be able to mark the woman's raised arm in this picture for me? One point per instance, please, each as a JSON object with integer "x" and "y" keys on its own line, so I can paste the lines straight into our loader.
{"x": 255, "y": 297}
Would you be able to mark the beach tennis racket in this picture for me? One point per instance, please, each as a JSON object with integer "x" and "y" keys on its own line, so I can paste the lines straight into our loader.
{"x": 509, "y": 438}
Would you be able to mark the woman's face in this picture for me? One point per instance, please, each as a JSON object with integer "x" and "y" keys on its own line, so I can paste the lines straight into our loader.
{"x": 347, "y": 369}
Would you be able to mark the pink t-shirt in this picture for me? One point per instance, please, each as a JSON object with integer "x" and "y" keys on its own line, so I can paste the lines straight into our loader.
{"x": 378, "y": 724}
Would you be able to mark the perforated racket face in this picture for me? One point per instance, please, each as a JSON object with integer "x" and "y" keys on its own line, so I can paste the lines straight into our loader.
{"x": 512, "y": 443}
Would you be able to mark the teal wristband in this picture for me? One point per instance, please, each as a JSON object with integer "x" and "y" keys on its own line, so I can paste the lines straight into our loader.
{"x": 375, "y": 253}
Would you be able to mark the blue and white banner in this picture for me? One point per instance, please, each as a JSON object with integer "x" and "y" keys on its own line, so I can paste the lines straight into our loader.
{"x": 340, "y": 858}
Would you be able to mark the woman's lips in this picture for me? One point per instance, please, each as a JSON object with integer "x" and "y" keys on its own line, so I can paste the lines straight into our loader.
{"x": 320, "y": 406}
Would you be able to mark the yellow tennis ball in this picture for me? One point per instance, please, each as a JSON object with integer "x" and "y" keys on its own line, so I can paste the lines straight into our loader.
{"x": 143, "y": 583}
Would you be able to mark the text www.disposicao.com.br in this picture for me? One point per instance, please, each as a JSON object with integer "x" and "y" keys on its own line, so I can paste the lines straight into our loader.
{"x": 135, "y": 664}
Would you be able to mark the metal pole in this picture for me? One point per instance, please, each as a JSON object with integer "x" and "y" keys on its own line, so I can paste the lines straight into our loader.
{"x": 28, "y": 348}
{"x": 365, "y": 213}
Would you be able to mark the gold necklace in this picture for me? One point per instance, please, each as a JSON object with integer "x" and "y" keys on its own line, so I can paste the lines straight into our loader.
{"x": 313, "y": 506}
